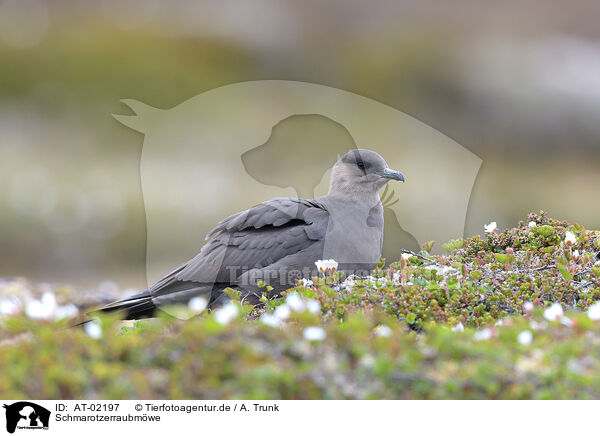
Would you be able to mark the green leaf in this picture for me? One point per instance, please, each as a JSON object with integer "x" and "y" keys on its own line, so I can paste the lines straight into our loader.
{"x": 544, "y": 230}
{"x": 233, "y": 294}
{"x": 428, "y": 246}
{"x": 502, "y": 258}
{"x": 452, "y": 246}
{"x": 564, "y": 271}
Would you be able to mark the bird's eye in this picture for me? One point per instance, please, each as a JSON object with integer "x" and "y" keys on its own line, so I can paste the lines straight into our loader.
{"x": 360, "y": 164}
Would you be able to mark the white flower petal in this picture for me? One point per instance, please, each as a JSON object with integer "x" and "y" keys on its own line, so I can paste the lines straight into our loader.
{"x": 570, "y": 238}
{"x": 593, "y": 311}
{"x": 197, "y": 304}
{"x": 383, "y": 331}
{"x": 326, "y": 265}
{"x": 35, "y": 309}
{"x": 554, "y": 312}
{"x": 270, "y": 320}
{"x": 314, "y": 333}
{"x": 458, "y": 327}
{"x": 49, "y": 301}
{"x": 483, "y": 335}
{"x": 294, "y": 301}
{"x": 224, "y": 315}
{"x": 567, "y": 321}
{"x": 282, "y": 312}
{"x": 538, "y": 325}
{"x": 10, "y": 306}
{"x": 93, "y": 330}
{"x": 306, "y": 283}
{"x": 313, "y": 306}
{"x": 68, "y": 311}
{"x": 489, "y": 228}
{"x": 525, "y": 337}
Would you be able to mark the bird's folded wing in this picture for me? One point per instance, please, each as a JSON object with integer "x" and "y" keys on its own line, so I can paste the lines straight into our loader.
{"x": 254, "y": 238}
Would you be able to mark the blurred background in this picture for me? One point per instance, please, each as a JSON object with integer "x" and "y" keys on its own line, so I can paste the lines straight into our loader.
{"x": 516, "y": 82}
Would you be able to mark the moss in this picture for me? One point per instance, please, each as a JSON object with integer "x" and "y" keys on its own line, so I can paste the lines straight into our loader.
{"x": 391, "y": 335}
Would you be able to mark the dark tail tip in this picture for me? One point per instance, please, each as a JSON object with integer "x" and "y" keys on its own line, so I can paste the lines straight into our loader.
{"x": 135, "y": 307}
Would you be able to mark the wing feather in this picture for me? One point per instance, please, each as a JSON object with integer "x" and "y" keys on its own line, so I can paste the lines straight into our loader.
{"x": 254, "y": 238}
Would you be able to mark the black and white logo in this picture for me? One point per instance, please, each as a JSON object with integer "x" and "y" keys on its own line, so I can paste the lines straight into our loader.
{"x": 26, "y": 415}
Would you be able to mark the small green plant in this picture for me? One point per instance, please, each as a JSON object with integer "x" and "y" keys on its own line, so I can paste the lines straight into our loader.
{"x": 485, "y": 321}
{"x": 452, "y": 246}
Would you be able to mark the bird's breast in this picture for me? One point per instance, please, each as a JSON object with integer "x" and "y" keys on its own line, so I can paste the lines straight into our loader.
{"x": 354, "y": 235}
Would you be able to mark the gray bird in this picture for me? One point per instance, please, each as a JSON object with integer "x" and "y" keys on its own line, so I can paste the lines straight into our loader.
{"x": 279, "y": 241}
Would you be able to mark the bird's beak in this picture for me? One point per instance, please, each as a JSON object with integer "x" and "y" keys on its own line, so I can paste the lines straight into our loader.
{"x": 391, "y": 174}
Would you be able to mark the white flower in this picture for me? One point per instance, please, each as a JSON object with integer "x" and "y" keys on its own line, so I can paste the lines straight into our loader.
{"x": 306, "y": 283}
{"x": 313, "y": 306}
{"x": 314, "y": 333}
{"x": 538, "y": 325}
{"x": 458, "y": 327}
{"x": 224, "y": 315}
{"x": 532, "y": 224}
{"x": 35, "y": 309}
{"x": 10, "y": 306}
{"x": 282, "y": 311}
{"x": 554, "y": 312}
{"x": 270, "y": 320}
{"x": 68, "y": 311}
{"x": 93, "y": 330}
{"x": 489, "y": 228}
{"x": 443, "y": 269}
{"x": 42, "y": 309}
{"x": 499, "y": 323}
{"x": 593, "y": 311}
{"x": 567, "y": 321}
{"x": 570, "y": 238}
{"x": 49, "y": 300}
{"x": 482, "y": 335}
{"x": 294, "y": 301}
{"x": 528, "y": 307}
{"x": 576, "y": 255}
{"x": 197, "y": 304}
{"x": 326, "y": 265}
{"x": 383, "y": 331}
{"x": 406, "y": 256}
{"x": 525, "y": 337}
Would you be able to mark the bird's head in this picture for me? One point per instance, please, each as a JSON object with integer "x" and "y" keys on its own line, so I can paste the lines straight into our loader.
{"x": 361, "y": 171}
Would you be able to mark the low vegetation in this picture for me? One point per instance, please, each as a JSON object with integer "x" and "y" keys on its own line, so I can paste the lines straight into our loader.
{"x": 512, "y": 314}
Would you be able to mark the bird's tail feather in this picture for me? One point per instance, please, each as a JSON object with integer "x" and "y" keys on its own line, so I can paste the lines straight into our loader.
{"x": 135, "y": 307}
